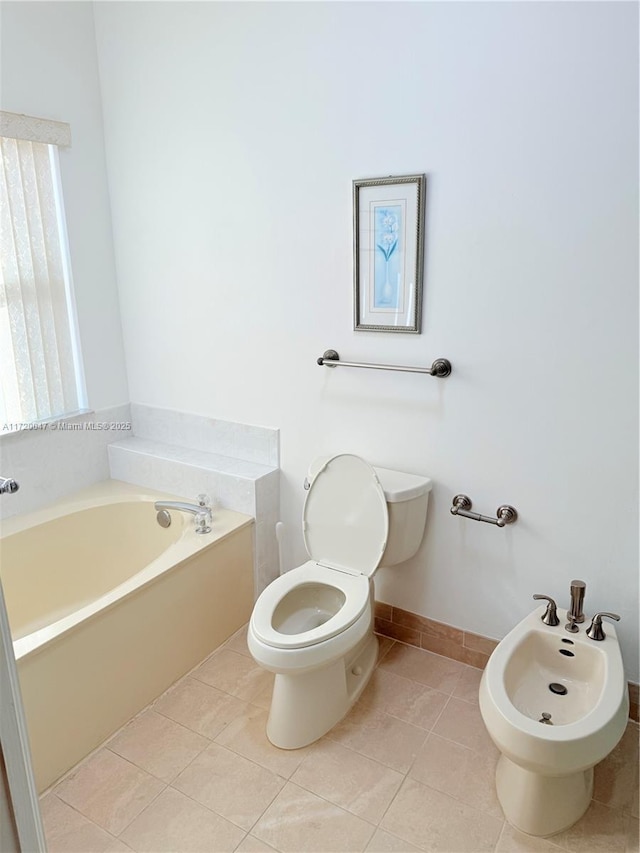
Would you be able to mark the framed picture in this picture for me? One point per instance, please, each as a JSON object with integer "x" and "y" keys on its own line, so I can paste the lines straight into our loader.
{"x": 388, "y": 245}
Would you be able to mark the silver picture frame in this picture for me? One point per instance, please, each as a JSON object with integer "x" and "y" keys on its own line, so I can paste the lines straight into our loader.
{"x": 388, "y": 253}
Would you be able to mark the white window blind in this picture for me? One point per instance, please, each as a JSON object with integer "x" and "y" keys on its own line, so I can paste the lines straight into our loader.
{"x": 40, "y": 368}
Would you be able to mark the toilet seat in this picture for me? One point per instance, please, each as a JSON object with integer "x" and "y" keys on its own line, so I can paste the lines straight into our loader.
{"x": 355, "y": 588}
{"x": 345, "y": 528}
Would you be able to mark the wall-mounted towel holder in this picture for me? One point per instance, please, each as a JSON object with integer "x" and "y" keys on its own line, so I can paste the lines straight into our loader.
{"x": 441, "y": 367}
{"x": 505, "y": 514}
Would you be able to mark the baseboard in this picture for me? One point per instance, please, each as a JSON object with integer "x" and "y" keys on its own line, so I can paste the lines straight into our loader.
{"x": 473, "y": 649}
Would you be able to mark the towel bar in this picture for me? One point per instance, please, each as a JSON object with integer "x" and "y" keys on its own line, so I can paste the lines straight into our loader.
{"x": 441, "y": 367}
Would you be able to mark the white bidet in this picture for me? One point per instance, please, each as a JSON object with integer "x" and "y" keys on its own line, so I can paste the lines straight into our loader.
{"x": 555, "y": 704}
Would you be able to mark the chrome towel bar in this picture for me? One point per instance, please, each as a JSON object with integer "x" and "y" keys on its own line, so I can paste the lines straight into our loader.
{"x": 441, "y": 367}
{"x": 505, "y": 514}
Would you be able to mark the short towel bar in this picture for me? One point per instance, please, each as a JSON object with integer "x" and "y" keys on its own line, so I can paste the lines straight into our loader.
{"x": 441, "y": 367}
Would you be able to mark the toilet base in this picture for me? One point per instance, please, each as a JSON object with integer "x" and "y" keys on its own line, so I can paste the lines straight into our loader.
{"x": 542, "y": 805}
{"x": 305, "y": 706}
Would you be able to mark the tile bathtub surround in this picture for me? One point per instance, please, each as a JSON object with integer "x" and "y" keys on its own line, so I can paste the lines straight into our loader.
{"x": 463, "y": 646}
{"x": 67, "y": 456}
{"x": 186, "y": 454}
{"x": 411, "y": 768}
{"x": 231, "y": 482}
{"x": 238, "y": 441}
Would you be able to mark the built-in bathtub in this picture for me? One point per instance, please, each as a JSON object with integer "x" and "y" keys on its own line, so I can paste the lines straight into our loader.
{"x": 107, "y": 609}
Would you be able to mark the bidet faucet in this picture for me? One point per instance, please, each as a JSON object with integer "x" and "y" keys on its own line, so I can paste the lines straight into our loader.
{"x": 201, "y": 511}
{"x": 8, "y": 486}
{"x": 595, "y": 631}
{"x": 550, "y": 615}
{"x": 575, "y": 614}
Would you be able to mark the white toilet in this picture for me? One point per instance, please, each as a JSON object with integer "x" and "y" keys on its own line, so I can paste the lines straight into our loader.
{"x": 313, "y": 626}
{"x": 555, "y": 704}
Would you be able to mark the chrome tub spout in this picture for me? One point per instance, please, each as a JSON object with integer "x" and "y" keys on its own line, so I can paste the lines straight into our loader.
{"x": 201, "y": 511}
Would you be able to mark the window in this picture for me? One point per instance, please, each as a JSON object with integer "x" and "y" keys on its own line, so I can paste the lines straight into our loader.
{"x": 40, "y": 366}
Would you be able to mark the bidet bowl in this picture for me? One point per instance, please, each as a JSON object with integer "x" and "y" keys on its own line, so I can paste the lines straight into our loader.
{"x": 576, "y": 671}
{"x": 586, "y": 722}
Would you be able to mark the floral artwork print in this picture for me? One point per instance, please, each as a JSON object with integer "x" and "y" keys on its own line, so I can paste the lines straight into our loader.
{"x": 387, "y": 270}
{"x": 388, "y": 253}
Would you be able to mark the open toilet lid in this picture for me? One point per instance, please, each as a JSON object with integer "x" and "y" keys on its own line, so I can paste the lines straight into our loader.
{"x": 345, "y": 518}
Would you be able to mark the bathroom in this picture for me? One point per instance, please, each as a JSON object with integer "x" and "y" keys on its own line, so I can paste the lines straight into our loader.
{"x": 208, "y": 199}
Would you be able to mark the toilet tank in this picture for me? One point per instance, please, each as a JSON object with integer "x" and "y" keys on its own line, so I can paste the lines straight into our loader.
{"x": 407, "y": 497}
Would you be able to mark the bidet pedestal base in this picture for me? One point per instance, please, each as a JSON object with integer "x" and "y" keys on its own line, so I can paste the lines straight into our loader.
{"x": 542, "y": 805}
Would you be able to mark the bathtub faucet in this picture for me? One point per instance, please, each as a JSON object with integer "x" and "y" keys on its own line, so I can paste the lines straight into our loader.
{"x": 8, "y": 486}
{"x": 201, "y": 512}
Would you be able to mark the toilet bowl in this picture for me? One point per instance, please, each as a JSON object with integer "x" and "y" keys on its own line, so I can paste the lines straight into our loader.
{"x": 555, "y": 704}
{"x": 313, "y": 626}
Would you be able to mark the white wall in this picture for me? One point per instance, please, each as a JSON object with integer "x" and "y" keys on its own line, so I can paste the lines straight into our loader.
{"x": 233, "y": 133}
{"x": 48, "y": 69}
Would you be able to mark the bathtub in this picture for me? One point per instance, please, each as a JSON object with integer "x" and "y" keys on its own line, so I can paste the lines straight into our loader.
{"x": 107, "y": 609}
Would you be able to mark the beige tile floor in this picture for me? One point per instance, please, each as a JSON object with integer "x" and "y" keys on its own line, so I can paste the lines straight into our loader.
{"x": 410, "y": 768}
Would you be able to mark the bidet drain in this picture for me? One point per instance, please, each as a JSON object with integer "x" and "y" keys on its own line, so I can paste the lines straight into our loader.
{"x": 558, "y": 689}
